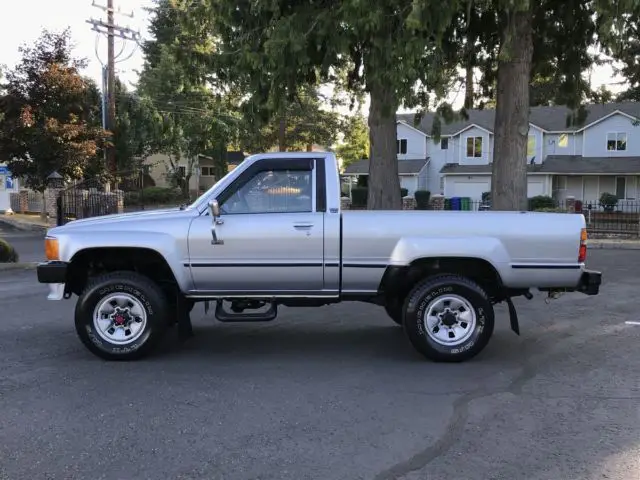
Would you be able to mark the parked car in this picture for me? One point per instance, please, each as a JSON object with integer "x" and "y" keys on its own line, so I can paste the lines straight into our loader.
{"x": 437, "y": 273}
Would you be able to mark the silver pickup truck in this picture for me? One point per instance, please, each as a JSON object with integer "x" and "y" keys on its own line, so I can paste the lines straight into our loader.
{"x": 272, "y": 232}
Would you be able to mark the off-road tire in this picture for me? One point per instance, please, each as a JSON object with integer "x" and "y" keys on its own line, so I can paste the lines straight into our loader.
{"x": 424, "y": 293}
{"x": 141, "y": 288}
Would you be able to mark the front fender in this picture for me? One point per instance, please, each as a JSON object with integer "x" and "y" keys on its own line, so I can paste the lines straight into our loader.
{"x": 490, "y": 249}
{"x": 164, "y": 244}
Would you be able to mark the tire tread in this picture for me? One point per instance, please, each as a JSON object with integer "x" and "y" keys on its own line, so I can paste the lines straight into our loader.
{"x": 413, "y": 298}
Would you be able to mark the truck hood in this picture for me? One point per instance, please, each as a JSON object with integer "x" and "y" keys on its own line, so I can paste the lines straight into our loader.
{"x": 121, "y": 219}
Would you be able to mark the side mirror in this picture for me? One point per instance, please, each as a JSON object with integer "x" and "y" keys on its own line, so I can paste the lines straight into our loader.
{"x": 214, "y": 208}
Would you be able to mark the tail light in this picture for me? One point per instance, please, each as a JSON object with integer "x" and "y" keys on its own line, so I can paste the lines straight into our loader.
{"x": 582, "y": 252}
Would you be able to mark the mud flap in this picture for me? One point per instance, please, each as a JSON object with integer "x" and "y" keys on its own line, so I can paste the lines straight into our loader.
{"x": 513, "y": 316}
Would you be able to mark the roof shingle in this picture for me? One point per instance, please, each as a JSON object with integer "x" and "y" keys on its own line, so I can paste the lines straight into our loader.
{"x": 548, "y": 118}
{"x": 563, "y": 165}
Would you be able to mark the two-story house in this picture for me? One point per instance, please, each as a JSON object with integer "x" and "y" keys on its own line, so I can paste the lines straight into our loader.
{"x": 600, "y": 155}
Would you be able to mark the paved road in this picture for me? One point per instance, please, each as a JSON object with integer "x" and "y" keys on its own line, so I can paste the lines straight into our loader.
{"x": 331, "y": 393}
{"x": 29, "y": 245}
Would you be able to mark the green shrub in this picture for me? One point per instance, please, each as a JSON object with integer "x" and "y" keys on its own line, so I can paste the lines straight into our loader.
{"x": 422, "y": 199}
{"x": 404, "y": 192}
{"x": 154, "y": 196}
{"x": 551, "y": 210}
{"x": 540, "y": 202}
{"x": 359, "y": 196}
{"x": 486, "y": 197}
{"x": 8, "y": 254}
{"x": 608, "y": 201}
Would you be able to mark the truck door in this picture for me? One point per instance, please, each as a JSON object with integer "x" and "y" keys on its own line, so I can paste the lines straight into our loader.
{"x": 271, "y": 232}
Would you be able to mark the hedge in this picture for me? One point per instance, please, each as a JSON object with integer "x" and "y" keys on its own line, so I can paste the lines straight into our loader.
{"x": 422, "y": 199}
{"x": 8, "y": 254}
{"x": 359, "y": 196}
{"x": 154, "y": 196}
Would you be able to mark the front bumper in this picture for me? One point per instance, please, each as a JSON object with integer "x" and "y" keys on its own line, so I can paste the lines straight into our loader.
{"x": 52, "y": 272}
{"x": 589, "y": 283}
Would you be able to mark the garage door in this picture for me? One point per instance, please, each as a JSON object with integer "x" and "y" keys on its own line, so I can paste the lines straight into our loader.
{"x": 471, "y": 188}
{"x": 535, "y": 187}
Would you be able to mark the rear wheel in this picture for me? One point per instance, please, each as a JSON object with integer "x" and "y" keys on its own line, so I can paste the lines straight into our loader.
{"x": 448, "y": 318}
{"x": 121, "y": 316}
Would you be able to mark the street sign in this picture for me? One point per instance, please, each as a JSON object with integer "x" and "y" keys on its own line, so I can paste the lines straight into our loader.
{"x": 4, "y": 170}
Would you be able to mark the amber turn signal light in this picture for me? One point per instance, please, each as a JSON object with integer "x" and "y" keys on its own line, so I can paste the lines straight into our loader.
{"x": 51, "y": 250}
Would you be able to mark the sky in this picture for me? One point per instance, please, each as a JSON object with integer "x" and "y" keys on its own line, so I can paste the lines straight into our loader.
{"x": 22, "y": 21}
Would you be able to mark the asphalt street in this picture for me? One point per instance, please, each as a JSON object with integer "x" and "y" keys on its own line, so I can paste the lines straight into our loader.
{"x": 29, "y": 245}
{"x": 328, "y": 393}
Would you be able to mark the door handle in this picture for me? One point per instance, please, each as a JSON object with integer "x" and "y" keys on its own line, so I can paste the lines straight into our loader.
{"x": 302, "y": 226}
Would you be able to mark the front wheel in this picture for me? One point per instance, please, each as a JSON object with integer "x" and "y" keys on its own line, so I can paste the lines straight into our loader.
{"x": 448, "y": 318}
{"x": 121, "y": 316}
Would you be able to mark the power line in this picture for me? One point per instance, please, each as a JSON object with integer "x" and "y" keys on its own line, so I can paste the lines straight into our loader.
{"x": 111, "y": 30}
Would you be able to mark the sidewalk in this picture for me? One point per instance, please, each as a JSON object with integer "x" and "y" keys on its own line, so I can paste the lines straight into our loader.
{"x": 614, "y": 244}
{"x": 27, "y": 222}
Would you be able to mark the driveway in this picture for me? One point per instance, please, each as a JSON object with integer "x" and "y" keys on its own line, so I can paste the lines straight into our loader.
{"x": 328, "y": 393}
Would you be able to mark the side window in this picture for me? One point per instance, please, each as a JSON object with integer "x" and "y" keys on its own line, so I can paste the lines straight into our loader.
{"x": 272, "y": 191}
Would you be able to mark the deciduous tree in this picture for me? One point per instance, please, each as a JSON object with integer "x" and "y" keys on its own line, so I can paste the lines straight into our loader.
{"x": 49, "y": 121}
{"x": 355, "y": 144}
{"x": 391, "y": 49}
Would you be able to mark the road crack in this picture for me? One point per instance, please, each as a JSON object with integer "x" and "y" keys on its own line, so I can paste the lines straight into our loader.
{"x": 460, "y": 415}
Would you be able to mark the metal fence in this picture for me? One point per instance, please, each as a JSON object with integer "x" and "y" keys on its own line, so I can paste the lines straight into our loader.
{"x": 33, "y": 202}
{"x": 619, "y": 219}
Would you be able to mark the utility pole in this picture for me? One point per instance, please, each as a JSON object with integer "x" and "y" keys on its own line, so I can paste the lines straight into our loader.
{"x": 112, "y": 30}
{"x": 111, "y": 83}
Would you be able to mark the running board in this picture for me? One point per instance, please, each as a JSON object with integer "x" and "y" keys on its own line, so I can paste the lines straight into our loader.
{"x": 229, "y": 317}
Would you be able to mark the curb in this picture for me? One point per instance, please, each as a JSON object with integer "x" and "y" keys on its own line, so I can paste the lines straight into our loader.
{"x": 24, "y": 226}
{"x": 7, "y": 267}
{"x": 613, "y": 245}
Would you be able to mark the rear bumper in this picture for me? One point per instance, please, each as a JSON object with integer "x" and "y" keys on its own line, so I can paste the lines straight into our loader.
{"x": 52, "y": 272}
{"x": 589, "y": 283}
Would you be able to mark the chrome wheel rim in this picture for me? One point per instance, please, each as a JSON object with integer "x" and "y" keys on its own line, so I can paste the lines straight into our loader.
{"x": 120, "y": 319}
{"x": 450, "y": 320}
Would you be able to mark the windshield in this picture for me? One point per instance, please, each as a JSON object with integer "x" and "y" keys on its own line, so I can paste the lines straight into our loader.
{"x": 206, "y": 194}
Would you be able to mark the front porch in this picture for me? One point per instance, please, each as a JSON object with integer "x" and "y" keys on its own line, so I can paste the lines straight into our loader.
{"x": 588, "y": 190}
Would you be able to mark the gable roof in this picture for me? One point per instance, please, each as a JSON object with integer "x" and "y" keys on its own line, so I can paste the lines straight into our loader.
{"x": 561, "y": 164}
{"x": 551, "y": 119}
{"x": 405, "y": 167}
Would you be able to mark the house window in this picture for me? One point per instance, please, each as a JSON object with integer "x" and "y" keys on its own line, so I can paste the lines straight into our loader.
{"x": 444, "y": 144}
{"x": 474, "y": 147}
{"x": 206, "y": 171}
{"x": 616, "y": 141}
{"x": 621, "y": 187}
{"x": 563, "y": 140}
{"x": 531, "y": 146}
{"x": 401, "y": 146}
{"x": 182, "y": 171}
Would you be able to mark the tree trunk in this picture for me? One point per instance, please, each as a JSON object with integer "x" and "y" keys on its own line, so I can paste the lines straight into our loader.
{"x": 282, "y": 133}
{"x": 470, "y": 59}
{"x": 509, "y": 172}
{"x": 468, "y": 92}
{"x": 384, "y": 183}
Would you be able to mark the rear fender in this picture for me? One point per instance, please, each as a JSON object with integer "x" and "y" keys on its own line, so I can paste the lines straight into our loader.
{"x": 410, "y": 249}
